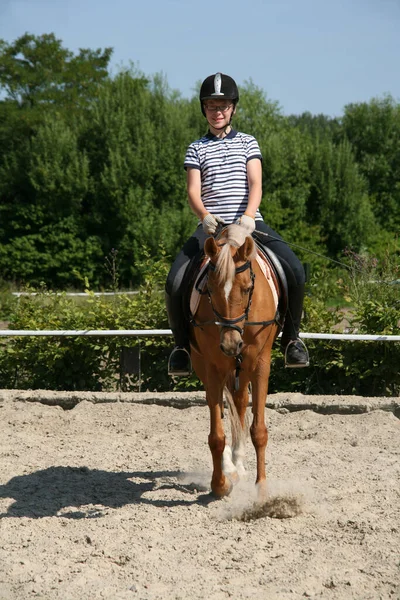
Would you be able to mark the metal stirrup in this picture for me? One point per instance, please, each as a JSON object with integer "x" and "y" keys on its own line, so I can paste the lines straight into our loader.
{"x": 179, "y": 373}
{"x": 299, "y": 365}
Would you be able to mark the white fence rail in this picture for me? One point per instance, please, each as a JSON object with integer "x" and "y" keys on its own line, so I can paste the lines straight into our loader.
{"x": 71, "y": 294}
{"x": 163, "y": 332}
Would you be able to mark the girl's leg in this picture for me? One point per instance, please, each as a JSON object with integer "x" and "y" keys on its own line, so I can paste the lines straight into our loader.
{"x": 295, "y": 351}
{"x": 179, "y": 361}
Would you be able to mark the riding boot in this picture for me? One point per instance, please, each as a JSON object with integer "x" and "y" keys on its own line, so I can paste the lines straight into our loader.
{"x": 179, "y": 362}
{"x": 294, "y": 349}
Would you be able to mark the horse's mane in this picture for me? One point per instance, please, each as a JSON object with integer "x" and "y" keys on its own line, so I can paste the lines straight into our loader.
{"x": 235, "y": 237}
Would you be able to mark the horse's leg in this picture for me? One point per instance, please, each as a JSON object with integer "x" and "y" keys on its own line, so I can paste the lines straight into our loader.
{"x": 233, "y": 458}
{"x": 258, "y": 429}
{"x": 220, "y": 485}
{"x": 241, "y": 401}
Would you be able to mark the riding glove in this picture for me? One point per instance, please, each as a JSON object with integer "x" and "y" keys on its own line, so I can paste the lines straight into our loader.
{"x": 211, "y": 222}
{"x": 248, "y": 223}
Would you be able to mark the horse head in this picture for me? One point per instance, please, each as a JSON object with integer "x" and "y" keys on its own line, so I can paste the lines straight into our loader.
{"x": 230, "y": 284}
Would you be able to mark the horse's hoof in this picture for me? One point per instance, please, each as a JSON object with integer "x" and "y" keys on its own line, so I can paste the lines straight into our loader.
{"x": 220, "y": 491}
{"x": 261, "y": 491}
{"x": 234, "y": 477}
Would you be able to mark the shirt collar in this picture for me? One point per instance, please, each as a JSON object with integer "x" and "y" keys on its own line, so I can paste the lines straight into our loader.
{"x": 229, "y": 136}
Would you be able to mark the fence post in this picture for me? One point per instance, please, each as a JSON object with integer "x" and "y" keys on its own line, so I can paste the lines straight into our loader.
{"x": 130, "y": 364}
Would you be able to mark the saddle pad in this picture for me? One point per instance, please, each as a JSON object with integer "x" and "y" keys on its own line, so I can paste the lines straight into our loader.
{"x": 201, "y": 283}
{"x": 266, "y": 269}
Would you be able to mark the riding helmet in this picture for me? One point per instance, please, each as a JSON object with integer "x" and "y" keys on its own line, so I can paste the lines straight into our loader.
{"x": 218, "y": 86}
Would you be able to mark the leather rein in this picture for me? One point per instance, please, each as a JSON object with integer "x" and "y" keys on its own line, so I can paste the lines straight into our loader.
{"x": 232, "y": 323}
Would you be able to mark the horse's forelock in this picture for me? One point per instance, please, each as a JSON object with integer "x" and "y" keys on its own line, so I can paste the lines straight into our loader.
{"x": 225, "y": 267}
{"x": 235, "y": 237}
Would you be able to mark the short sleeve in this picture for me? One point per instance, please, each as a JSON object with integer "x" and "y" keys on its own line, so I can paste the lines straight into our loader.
{"x": 253, "y": 149}
{"x": 192, "y": 158}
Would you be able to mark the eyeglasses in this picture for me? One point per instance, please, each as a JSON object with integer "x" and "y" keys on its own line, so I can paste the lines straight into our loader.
{"x": 222, "y": 109}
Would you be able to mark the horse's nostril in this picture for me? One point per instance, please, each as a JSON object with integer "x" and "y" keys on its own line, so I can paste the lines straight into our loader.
{"x": 221, "y": 346}
{"x": 240, "y": 345}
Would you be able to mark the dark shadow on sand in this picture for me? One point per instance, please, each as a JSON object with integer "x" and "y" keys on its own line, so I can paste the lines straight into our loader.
{"x": 45, "y": 493}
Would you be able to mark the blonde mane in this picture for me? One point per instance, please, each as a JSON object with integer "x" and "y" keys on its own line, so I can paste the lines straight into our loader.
{"x": 235, "y": 237}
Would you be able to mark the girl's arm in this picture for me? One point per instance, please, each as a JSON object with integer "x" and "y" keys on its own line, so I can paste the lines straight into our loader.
{"x": 193, "y": 184}
{"x": 254, "y": 177}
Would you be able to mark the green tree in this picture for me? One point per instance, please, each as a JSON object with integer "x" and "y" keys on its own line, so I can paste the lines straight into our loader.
{"x": 374, "y": 131}
{"x": 317, "y": 126}
{"x": 36, "y": 71}
{"x": 338, "y": 199}
{"x": 44, "y": 176}
{"x": 135, "y": 138}
{"x": 42, "y": 233}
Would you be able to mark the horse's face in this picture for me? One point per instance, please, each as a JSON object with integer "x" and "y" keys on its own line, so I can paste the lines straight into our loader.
{"x": 230, "y": 285}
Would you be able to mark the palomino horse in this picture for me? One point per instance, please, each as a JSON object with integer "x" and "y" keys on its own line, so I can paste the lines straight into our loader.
{"x": 231, "y": 336}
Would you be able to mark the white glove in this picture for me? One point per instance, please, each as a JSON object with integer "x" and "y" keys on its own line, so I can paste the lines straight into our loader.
{"x": 210, "y": 223}
{"x": 248, "y": 223}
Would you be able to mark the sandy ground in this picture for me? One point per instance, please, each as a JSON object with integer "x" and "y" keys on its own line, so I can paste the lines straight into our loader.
{"x": 111, "y": 500}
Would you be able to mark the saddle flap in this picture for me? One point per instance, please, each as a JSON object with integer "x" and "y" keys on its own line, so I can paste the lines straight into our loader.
{"x": 199, "y": 286}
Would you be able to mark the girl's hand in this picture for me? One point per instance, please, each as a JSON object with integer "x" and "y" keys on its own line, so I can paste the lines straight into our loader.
{"x": 248, "y": 223}
{"x": 211, "y": 222}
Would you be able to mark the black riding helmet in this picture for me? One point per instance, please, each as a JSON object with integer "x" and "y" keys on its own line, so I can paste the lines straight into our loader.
{"x": 218, "y": 86}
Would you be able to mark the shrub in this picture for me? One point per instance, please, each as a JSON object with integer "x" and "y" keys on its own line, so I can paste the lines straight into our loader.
{"x": 88, "y": 363}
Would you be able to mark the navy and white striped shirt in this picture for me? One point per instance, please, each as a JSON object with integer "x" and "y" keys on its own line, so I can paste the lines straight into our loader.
{"x": 223, "y": 167}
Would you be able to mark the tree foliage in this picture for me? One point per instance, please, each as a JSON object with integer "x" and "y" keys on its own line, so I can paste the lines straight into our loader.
{"x": 36, "y": 71}
{"x": 91, "y": 163}
{"x": 373, "y": 129}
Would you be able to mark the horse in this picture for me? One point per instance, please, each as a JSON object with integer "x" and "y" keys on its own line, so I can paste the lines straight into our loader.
{"x": 231, "y": 337}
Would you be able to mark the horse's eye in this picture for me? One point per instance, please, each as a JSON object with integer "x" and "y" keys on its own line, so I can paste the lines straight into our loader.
{"x": 247, "y": 290}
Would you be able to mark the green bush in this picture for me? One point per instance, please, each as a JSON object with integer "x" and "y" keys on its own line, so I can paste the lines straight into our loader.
{"x": 88, "y": 363}
{"x": 7, "y": 301}
{"x": 366, "y": 368}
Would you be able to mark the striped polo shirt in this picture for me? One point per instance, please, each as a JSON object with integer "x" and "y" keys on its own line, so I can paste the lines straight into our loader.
{"x": 223, "y": 167}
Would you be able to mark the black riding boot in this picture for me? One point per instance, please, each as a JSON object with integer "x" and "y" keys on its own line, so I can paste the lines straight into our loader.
{"x": 295, "y": 351}
{"x": 179, "y": 362}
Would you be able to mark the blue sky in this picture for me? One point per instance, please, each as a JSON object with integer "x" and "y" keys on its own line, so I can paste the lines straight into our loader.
{"x": 310, "y": 55}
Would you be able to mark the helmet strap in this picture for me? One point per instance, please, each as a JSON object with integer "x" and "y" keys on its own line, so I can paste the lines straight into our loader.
{"x": 220, "y": 129}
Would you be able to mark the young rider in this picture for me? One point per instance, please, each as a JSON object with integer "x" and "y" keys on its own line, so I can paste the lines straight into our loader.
{"x": 224, "y": 179}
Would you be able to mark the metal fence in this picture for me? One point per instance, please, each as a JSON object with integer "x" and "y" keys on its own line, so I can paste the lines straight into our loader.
{"x": 163, "y": 332}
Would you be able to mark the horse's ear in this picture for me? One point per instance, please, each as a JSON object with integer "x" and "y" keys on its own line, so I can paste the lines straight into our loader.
{"x": 247, "y": 251}
{"x": 210, "y": 248}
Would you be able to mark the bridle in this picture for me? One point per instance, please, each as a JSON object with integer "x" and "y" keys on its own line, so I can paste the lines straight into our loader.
{"x": 231, "y": 323}
{"x": 228, "y": 323}
{"x": 225, "y": 321}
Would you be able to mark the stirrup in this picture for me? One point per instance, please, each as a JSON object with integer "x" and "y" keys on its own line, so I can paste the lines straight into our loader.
{"x": 179, "y": 372}
{"x": 298, "y": 365}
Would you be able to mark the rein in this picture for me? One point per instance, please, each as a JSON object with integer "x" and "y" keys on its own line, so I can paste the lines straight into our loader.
{"x": 231, "y": 323}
